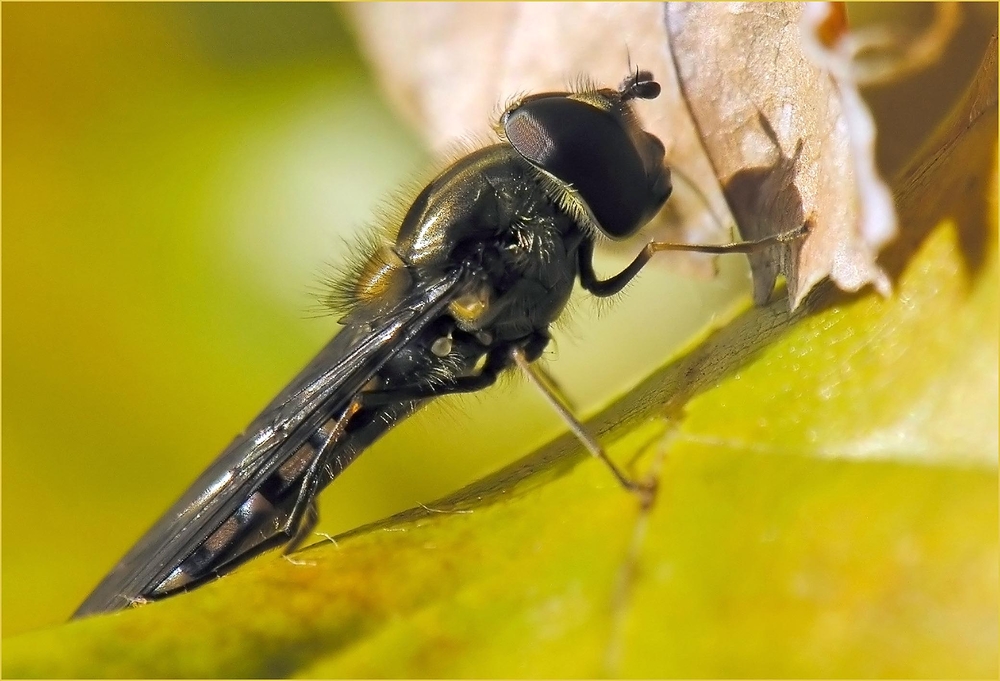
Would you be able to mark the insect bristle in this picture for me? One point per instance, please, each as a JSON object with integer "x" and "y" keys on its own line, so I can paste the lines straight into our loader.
{"x": 460, "y": 147}
{"x": 338, "y": 291}
{"x": 583, "y": 84}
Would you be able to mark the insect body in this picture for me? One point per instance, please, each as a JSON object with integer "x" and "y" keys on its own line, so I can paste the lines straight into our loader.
{"x": 483, "y": 262}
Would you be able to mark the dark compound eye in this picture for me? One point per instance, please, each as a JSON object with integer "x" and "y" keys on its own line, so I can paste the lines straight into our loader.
{"x": 590, "y": 149}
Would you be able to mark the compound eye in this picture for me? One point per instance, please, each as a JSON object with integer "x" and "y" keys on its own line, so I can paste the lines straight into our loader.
{"x": 588, "y": 149}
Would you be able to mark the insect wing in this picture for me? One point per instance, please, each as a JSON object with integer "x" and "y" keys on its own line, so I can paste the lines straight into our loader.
{"x": 320, "y": 391}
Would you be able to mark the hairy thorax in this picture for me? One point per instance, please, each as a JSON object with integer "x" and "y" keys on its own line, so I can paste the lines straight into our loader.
{"x": 491, "y": 211}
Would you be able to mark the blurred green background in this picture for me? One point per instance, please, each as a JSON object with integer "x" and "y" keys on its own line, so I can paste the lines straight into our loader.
{"x": 177, "y": 182}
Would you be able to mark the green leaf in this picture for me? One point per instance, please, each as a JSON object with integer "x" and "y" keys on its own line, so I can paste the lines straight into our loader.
{"x": 827, "y": 506}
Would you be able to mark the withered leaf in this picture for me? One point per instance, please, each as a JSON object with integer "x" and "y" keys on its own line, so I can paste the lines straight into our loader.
{"x": 790, "y": 143}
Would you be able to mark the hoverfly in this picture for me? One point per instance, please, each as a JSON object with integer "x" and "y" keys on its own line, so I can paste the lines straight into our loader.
{"x": 482, "y": 263}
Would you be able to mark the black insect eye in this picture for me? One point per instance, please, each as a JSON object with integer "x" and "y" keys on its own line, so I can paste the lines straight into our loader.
{"x": 591, "y": 150}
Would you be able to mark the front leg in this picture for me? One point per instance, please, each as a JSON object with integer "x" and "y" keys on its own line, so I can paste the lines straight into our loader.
{"x": 611, "y": 286}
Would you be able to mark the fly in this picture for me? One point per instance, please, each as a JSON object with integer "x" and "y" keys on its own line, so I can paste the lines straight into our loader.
{"x": 465, "y": 288}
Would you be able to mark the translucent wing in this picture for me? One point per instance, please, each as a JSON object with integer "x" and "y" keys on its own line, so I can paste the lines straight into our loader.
{"x": 320, "y": 391}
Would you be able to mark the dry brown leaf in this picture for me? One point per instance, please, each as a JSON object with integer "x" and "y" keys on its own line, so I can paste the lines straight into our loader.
{"x": 790, "y": 143}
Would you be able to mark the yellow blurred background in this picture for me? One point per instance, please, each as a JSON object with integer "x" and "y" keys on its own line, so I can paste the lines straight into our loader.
{"x": 177, "y": 182}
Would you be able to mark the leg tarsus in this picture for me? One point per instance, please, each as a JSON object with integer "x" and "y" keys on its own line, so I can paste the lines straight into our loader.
{"x": 306, "y": 525}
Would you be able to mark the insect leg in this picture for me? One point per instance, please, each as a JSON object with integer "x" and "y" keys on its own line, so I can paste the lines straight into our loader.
{"x": 310, "y": 518}
{"x": 643, "y": 489}
{"x": 423, "y": 391}
{"x": 304, "y": 514}
{"x": 612, "y": 285}
{"x": 496, "y": 362}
